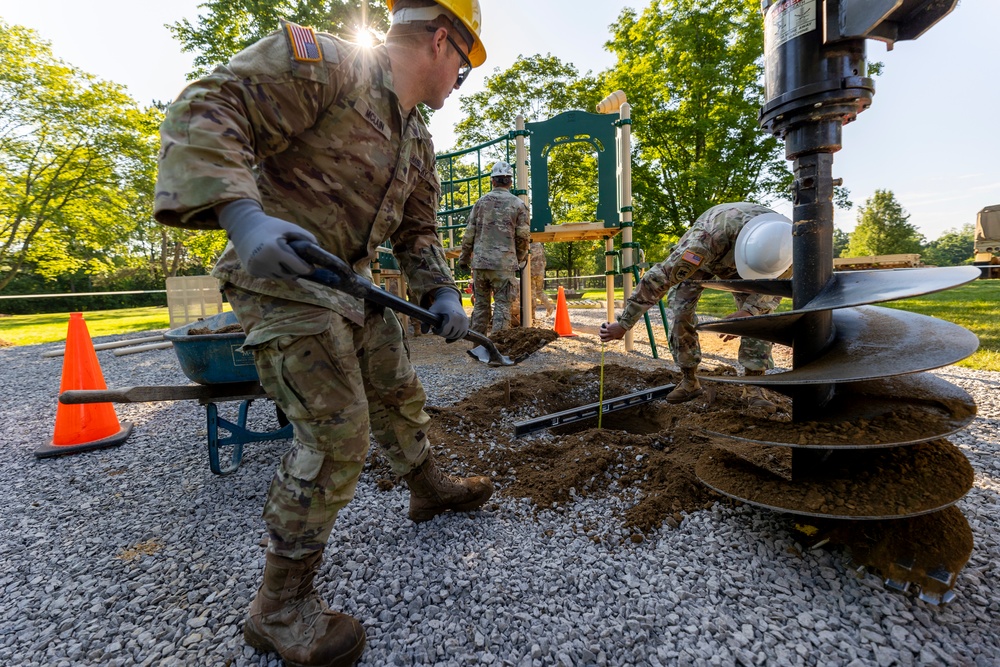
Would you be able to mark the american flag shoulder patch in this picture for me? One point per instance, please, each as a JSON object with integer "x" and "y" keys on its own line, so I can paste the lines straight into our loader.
{"x": 692, "y": 258}
{"x": 305, "y": 48}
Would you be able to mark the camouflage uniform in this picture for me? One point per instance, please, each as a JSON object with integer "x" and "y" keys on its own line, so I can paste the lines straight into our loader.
{"x": 538, "y": 294}
{"x": 704, "y": 252}
{"x": 322, "y": 144}
{"x": 494, "y": 245}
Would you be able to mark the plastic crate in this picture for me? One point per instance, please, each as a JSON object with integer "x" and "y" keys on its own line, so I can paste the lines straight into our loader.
{"x": 192, "y": 298}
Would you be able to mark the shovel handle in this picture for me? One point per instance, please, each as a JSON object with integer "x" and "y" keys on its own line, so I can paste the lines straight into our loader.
{"x": 334, "y": 272}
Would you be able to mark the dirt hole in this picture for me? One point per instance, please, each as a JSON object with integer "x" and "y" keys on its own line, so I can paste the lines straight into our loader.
{"x": 646, "y": 453}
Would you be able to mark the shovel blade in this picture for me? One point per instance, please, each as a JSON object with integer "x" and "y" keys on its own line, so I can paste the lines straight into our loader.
{"x": 480, "y": 353}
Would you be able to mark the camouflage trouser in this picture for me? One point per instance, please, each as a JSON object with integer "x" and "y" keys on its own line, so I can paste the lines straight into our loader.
{"x": 334, "y": 380}
{"x": 682, "y": 299}
{"x": 538, "y": 294}
{"x": 498, "y": 285}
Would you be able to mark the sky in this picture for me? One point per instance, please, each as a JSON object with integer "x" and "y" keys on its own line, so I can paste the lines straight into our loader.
{"x": 931, "y": 136}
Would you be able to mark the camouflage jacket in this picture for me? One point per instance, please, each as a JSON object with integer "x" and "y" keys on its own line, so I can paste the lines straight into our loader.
{"x": 320, "y": 141}
{"x": 704, "y": 252}
{"x": 498, "y": 233}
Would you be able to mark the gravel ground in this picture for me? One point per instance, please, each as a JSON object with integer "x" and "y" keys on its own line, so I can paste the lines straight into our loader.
{"x": 139, "y": 555}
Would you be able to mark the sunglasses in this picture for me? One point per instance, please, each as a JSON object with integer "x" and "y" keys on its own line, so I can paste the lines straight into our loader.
{"x": 466, "y": 68}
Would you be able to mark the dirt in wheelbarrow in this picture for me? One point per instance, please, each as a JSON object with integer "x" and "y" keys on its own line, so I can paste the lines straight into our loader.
{"x": 646, "y": 454}
{"x": 203, "y": 331}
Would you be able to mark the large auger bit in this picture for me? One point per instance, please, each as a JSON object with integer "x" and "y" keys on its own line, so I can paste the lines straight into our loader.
{"x": 922, "y": 554}
{"x": 888, "y": 498}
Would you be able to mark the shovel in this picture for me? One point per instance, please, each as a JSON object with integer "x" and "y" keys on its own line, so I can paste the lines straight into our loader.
{"x": 334, "y": 272}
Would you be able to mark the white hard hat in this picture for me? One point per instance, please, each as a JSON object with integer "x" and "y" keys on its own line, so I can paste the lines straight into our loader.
{"x": 501, "y": 168}
{"x": 764, "y": 247}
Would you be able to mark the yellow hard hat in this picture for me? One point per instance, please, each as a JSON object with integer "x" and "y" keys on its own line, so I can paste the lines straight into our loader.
{"x": 470, "y": 16}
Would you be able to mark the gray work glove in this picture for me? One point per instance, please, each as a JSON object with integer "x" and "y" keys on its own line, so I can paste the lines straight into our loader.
{"x": 448, "y": 304}
{"x": 261, "y": 241}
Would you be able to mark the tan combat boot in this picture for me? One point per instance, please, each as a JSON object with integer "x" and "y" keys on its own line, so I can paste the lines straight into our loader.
{"x": 755, "y": 397}
{"x": 689, "y": 387}
{"x": 289, "y": 618}
{"x": 432, "y": 492}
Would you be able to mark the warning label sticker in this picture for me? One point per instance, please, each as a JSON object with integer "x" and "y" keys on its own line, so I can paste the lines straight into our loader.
{"x": 788, "y": 19}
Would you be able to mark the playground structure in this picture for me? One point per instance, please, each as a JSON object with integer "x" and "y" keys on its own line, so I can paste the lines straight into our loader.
{"x": 465, "y": 177}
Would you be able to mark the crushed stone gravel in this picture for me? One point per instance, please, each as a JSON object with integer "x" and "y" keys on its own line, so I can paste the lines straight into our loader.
{"x": 139, "y": 555}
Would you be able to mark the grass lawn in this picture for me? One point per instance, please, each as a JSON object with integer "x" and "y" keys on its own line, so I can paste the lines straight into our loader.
{"x": 51, "y": 327}
{"x": 975, "y": 306}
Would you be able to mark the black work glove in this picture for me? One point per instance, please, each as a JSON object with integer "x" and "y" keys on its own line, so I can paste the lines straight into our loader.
{"x": 261, "y": 241}
{"x": 455, "y": 324}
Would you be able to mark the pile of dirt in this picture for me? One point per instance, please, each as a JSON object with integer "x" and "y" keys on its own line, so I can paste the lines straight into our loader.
{"x": 648, "y": 454}
{"x": 204, "y": 331}
{"x": 651, "y": 449}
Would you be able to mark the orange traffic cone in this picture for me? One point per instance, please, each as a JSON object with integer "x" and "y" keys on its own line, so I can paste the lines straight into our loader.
{"x": 562, "y": 326}
{"x": 85, "y": 426}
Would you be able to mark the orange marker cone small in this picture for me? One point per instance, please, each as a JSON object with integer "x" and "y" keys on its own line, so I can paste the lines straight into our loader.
{"x": 562, "y": 326}
{"x": 85, "y": 426}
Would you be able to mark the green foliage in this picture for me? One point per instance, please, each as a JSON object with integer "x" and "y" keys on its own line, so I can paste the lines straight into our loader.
{"x": 538, "y": 88}
{"x": 841, "y": 240}
{"x": 205, "y": 247}
{"x": 229, "y": 26}
{"x": 77, "y": 158}
{"x": 693, "y": 72}
{"x": 953, "y": 248}
{"x": 883, "y": 228}
{"x": 842, "y": 197}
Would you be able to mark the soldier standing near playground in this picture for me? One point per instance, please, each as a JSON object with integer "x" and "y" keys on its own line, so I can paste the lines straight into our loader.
{"x": 538, "y": 294}
{"x": 307, "y": 136}
{"x": 727, "y": 241}
{"x": 495, "y": 246}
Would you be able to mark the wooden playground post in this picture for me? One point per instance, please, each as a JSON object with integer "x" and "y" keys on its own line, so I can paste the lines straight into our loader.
{"x": 617, "y": 101}
{"x": 625, "y": 177}
{"x": 521, "y": 157}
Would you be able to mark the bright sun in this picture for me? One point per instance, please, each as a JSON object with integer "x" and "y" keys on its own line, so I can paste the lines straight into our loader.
{"x": 367, "y": 36}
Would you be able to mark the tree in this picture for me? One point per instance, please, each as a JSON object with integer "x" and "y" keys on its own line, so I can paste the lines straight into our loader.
{"x": 841, "y": 240}
{"x": 540, "y": 87}
{"x": 536, "y": 87}
{"x": 883, "y": 228}
{"x": 693, "y": 72}
{"x": 953, "y": 248}
{"x": 77, "y": 158}
{"x": 229, "y": 26}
